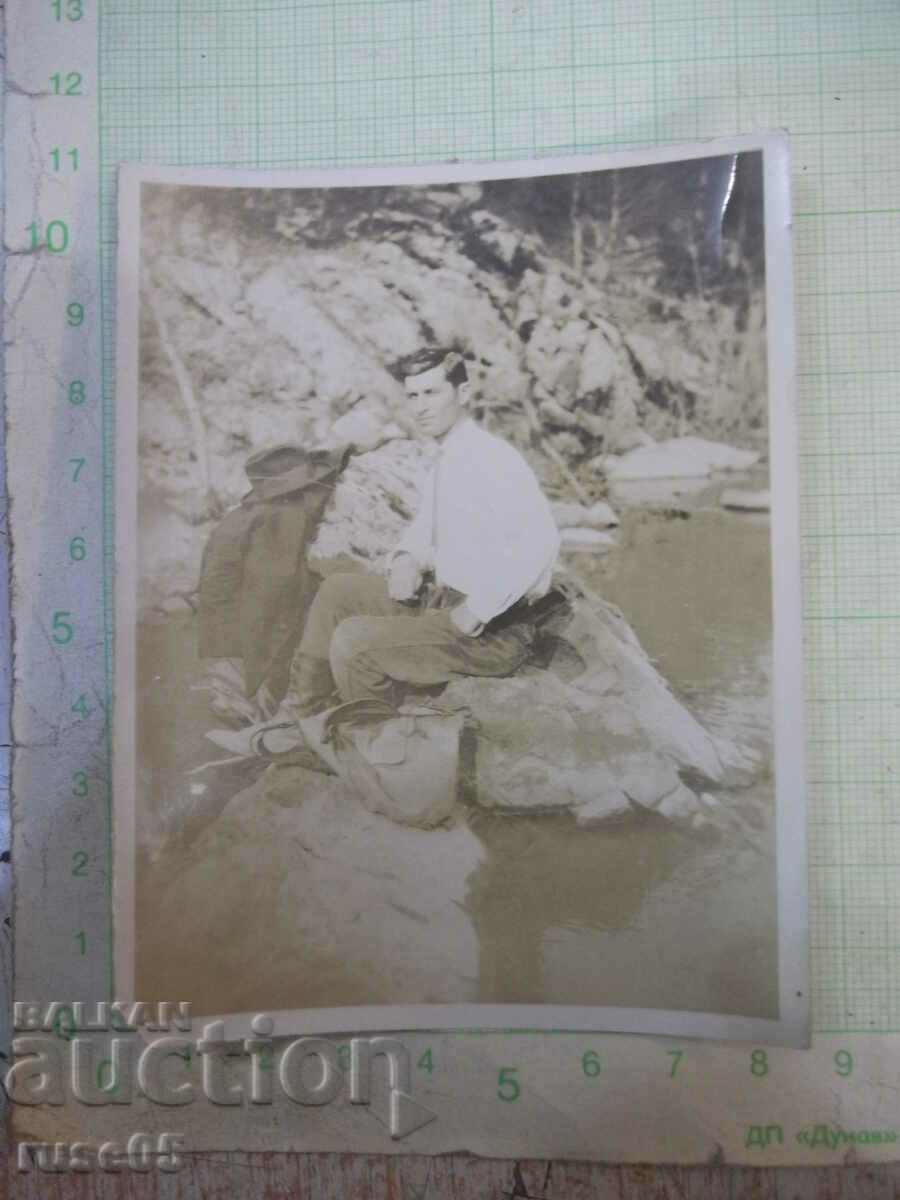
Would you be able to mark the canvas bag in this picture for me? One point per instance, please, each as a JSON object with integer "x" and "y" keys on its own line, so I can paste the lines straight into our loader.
{"x": 403, "y": 765}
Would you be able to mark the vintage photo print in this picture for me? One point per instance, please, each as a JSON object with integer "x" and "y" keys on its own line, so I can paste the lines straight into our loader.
{"x": 458, "y": 619}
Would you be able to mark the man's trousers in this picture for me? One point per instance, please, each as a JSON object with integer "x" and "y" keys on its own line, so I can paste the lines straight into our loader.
{"x": 374, "y": 643}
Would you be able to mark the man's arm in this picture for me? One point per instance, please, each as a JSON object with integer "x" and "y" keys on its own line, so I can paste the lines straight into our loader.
{"x": 515, "y": 541}
{"x": 465, "y": 620}
{"x": 419, "y": 534}
{"x": 405, "y": 578}
{"x": 414, "y": 552}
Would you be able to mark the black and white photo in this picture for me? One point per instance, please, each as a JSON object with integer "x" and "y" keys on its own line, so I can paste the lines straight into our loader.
{"x": 457, "y": 614}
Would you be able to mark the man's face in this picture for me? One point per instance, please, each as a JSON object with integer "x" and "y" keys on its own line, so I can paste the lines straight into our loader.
{"x": 433, "y": 401}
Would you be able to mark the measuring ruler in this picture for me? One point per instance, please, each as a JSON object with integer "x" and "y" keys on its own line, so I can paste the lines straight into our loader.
{"x": 59, "y": 442}
{"x": 610, "y": 1097}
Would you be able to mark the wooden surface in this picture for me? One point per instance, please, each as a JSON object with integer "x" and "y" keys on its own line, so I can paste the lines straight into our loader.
{"x": 455, "y": 1177}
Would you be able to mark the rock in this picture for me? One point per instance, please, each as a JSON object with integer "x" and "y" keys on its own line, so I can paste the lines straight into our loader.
{"x": 526, "y": 313}
{"x": 176, "y": 605}
{"x": 586, "y": 539}
{"x": 561, "y": 297}
{"x": 602, "y": 808}
{"x": 747, "y": 501}
{"x": 335, "y": 890}
{"x": 646, "y": 354}
{"x": 686, "y": 369}
{"x": 447, "y": 198}
{"x": 365, "y": 427}
{"x": 471, "y": 193}
{"x": 617, "y": 665}
{"x": 680, "y": 804}
{"x": 599, "y": 364}
{"x": 598, "y": 516}
{"x": 304, "y": 318}
{"x": 376, "y": 497}
{"x": 624, "y": 422}
{"x": 576, "y": 418}
{"x": 655, "y": 493}
{"x": 171, "y": 547}
{"x": 569, "y": 360}
{"x": 503, "y": 243}
{"x": 567, "y": 444}
{"x": 608, "y": 738}
{"x": 556, "y": 416}
{"x": 678, "y": 458}
{"x": 573, "y": 336}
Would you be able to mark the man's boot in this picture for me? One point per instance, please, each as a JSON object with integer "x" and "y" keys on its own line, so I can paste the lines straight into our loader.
{"x": 311, "y": 686}
{"x": 311, "y": 690}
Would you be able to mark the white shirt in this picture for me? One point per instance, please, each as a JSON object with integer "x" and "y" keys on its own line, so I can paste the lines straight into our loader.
{"x": 484, "y": 525}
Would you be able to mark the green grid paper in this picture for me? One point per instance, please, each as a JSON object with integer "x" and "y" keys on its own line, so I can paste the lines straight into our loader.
{"x": 293, "y": 83}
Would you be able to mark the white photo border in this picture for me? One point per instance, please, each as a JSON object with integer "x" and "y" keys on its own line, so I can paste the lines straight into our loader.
{"x": 792, "y": 1027}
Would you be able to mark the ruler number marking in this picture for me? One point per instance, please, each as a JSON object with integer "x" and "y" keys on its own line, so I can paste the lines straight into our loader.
{"x": 63, "y": 631}
{"x": 56, "y": 156}
{"x": 590, "y": 1064}
{"x": 66, "y": 85}
{"x": 69, "y": 10}
{"x": 80, "y": 859}
{"x": 843, "y": 1063}
{"x": 759, "y": 1064}
{"x": 508, "y": 1089}
{"x": 676, "y": 1057}
{"x": 56, "y": 235}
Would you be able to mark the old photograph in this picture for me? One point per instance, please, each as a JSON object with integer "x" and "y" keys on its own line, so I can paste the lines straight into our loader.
{"x": 457, "y": 610}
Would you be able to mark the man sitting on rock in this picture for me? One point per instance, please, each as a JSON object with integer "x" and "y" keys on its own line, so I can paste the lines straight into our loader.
{"x": 484, "y": 533}
{"x": 481, "y": 547}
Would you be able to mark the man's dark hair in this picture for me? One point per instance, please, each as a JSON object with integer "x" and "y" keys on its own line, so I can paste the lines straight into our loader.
{"x": 429, "y": 357}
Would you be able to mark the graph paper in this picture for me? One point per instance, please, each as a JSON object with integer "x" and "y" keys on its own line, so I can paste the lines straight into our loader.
{"x": 279, "y": 84}
{"x": 293, "y": 83}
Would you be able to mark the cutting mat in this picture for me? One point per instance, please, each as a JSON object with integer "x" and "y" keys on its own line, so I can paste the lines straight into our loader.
{"x": 280, "y": 83}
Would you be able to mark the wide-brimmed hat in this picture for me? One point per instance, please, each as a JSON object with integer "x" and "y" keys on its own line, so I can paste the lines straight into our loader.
{"x": 280, "y": 470}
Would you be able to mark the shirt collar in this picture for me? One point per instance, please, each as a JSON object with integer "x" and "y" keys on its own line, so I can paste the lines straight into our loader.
{"x": 459, "y": 432}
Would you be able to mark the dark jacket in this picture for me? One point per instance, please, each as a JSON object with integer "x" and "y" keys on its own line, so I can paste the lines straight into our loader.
{"x": 255, "y": 584}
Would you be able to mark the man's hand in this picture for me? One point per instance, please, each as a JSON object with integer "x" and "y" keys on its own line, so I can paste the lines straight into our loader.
{"x": 405, "y": 578}
{"x": 465, "y": 620}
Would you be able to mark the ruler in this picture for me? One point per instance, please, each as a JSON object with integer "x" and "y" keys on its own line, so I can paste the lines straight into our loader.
{"x": 607, "y": 1097}
{"x": 59, "y": 437}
